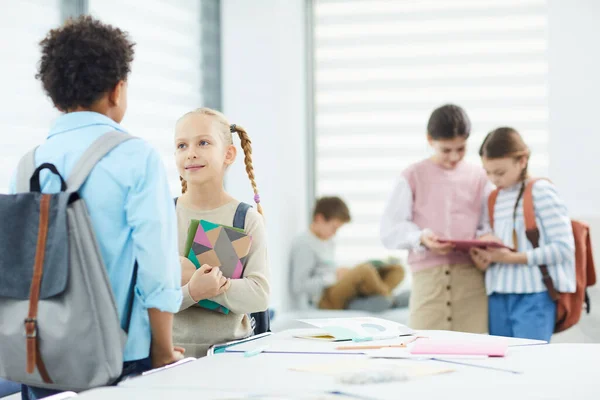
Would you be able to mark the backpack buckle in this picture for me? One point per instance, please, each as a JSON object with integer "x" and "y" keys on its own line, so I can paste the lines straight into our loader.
{"x": 33, "y": 332}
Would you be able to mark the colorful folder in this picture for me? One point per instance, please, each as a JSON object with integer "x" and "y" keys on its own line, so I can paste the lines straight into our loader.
{"x": 218, "y": 246}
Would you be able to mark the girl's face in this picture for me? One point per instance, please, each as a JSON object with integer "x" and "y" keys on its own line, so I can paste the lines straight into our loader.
{"x": 448, "y": 152}
{"x": 201, "y": 153}
{"x": 504, "y": 172}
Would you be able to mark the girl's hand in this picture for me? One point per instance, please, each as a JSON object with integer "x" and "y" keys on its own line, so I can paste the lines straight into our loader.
{"x": 207, "y": 282}
{"x": 432, "y": 242}
{"x": 505, "y": 256}
{"x": 481, "y": 258}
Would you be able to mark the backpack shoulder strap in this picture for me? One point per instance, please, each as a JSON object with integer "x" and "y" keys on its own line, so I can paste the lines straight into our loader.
{"x": 591, "y": 267}
{"x": 491, "y": 205}
{"x": 97, "y": 151}
{"x": 260, "y": 321}
{"x": 528, "y": 206}
{"x": 25, "y": 170}
{"x": 533, "y": 234}
{"x": 239, "y": 219}
{"x": 130, "y": 298}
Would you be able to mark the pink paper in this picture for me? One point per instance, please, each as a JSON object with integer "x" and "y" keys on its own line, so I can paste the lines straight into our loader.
{"x": 432, "y": 346}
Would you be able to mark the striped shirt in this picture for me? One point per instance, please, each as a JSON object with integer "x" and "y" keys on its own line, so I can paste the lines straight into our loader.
{"x": 557, "y": 246}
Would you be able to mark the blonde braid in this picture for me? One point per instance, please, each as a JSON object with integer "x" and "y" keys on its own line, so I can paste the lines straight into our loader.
{"x": 246, "y": 144}
{"x": 183, "y": 185}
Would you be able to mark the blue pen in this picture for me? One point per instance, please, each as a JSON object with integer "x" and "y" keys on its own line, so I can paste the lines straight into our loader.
{"x": 371, "y": 338}
{"x": 345, "y": 394}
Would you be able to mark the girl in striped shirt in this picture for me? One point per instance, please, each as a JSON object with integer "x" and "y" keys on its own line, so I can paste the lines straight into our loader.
{"x": 519, "y": 304}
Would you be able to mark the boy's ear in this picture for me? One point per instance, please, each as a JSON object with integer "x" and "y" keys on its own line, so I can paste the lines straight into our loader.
{"x": 230, "y": 154}
{"x": 114, "y": 96}
{"x": 320, "y": 218}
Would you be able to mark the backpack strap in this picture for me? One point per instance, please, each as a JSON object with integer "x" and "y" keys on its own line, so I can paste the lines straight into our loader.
{"x": 491, "y": 206}
{"x": 25, "y": 170}
{"x": 239, "y": 219}
{"x": 34, "y": 356}
{"x": 130, "y": 298}
{"x": 82, "y": 169}
{"x": 528, "y": 206}
{"x": 533, "y": 234}
{"x": 96, "y": 152}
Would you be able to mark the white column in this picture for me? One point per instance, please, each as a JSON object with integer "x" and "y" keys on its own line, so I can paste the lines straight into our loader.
{"x": 264, "y": 90}
{"x": 574, "y": 85}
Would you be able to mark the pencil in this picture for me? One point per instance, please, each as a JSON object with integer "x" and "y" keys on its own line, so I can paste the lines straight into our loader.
{"x": 372, "y": 347}
{"x": 379, "y": 346}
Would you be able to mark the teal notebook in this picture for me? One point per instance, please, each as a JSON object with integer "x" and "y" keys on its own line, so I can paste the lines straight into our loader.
{"x": 218, "y": 246}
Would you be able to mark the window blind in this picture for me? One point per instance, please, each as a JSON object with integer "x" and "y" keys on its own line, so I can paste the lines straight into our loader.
{"x": 381, "y": 67}
{"x": 25, "y": 113}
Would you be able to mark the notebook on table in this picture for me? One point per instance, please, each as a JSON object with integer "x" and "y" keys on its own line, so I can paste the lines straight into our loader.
{"x": 459, "y": 348}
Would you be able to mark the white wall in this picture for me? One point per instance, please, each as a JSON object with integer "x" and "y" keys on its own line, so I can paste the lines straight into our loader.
{"x": 574, "y": 84}
{"x": 264, "y": 90}
{"x": 574, "y": 80}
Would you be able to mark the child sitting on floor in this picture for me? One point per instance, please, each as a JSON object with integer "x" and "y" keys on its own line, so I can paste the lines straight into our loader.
{"x": 314, "y": 273}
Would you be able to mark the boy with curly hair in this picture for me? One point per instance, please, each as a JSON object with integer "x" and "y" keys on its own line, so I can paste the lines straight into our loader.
{"x": 84, "y": 69}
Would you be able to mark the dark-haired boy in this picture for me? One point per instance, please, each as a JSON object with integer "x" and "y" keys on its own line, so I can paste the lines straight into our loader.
{"x": 84, "y": 69}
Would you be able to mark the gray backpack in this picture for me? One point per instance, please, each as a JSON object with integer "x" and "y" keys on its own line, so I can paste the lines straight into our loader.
{"x": 59, "y": 325}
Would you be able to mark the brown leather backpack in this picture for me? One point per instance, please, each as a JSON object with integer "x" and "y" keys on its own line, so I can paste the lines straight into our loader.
{"x": 568, "y": 305}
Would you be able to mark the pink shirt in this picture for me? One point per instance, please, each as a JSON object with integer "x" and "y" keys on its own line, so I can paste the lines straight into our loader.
{"x": 450, "y": 203}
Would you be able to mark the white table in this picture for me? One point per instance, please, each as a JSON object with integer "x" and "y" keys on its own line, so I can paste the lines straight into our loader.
{"x": 554, "y": 371}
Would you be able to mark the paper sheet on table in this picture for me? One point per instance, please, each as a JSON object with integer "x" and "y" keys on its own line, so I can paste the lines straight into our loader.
{"x": 413, "y": 370}
{"x": 475, "y": 337}
{"x": 289, "y": 342}
{"x": 360, "y": 327}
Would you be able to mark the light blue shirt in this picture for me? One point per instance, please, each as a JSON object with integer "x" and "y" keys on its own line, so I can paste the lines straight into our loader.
{"x": 133, "y": 215}
{"x": 557, "y": 245}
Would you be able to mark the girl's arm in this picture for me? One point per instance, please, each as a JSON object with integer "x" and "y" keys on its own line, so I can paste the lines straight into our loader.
{"x": 554, "y": 225}
{"x": 251, "y": 293}
{"x": 397, "y": 231}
